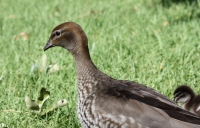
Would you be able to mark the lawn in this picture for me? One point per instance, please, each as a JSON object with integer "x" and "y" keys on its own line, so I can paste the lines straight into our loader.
{"x": 153, "y": 42}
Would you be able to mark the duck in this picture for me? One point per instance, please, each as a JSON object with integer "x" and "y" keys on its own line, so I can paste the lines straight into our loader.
{"x": 190, "y": 102}
{"x": 105, "y": 102}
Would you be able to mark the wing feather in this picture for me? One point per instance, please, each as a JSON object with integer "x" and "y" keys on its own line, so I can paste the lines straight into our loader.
{"x": 144, "y": 105}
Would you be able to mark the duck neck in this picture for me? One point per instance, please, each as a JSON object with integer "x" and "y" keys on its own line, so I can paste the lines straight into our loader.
{"x": 85, "y": 68}
{"x": 84, "y": 64}
{"x": 188, "y": 103}
{"x": 87, "y": 74}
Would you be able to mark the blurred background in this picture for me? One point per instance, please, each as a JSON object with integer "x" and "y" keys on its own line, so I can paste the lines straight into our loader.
{"x": 154, "y": 42}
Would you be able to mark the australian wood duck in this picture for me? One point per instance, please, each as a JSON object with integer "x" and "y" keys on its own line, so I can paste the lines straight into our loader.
{"x": 190, "y": 102}
{"x": 104, "y": 102}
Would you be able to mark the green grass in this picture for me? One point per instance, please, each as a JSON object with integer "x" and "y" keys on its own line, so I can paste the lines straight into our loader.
{"x": 152, "y": 42}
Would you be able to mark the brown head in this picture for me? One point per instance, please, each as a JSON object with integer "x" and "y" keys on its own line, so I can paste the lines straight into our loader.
{"x": 183, "y": 94}
{"x": 70, "y": 36}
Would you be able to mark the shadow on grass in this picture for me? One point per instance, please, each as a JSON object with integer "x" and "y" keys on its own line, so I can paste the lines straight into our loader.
{"x": 168, "y": 3}
{"x": 192, "y": 11}
{"x": 62, "y": 119}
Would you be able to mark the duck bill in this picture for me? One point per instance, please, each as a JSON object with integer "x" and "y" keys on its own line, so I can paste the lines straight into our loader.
{"x": 48, "y": 45}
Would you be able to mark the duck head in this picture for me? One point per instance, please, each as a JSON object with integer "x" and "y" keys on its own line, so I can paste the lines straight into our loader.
{"x": 70, "y": 36}
{"x": 183, "y": 94}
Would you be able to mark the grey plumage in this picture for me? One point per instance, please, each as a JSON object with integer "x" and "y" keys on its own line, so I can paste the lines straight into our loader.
{"x": 105, "y": 102}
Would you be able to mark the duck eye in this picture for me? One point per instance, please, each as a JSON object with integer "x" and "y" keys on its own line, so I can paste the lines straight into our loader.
{"x": 57, "y": 33}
